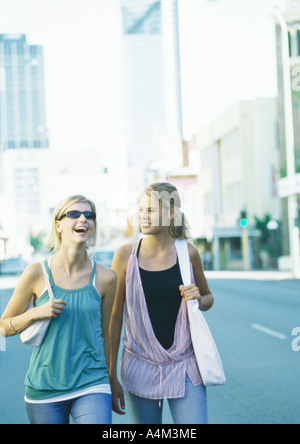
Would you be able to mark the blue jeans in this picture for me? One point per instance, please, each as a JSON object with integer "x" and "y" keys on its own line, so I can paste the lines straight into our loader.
{"x": 89, "y": 409}
{"x": 192, "y": 409}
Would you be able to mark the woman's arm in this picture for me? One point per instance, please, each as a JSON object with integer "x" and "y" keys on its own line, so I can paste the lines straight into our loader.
{"x": 200, "y": 289}
{"x": 106, "y": 281}
{"x": 15, "y": 317}
{"x": 119, "y": 265}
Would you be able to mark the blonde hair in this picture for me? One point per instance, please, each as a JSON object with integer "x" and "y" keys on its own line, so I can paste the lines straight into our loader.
{"x": 55, "y": 237}
{"x": 168, "y": 197}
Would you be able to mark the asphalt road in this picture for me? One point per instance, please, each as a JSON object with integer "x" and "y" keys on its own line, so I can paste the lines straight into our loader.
{"x": 263, "y": 372}
{"x": 252, "y": 323}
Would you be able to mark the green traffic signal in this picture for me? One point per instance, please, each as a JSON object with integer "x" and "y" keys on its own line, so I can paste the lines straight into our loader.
{"x": 244, "y": 223}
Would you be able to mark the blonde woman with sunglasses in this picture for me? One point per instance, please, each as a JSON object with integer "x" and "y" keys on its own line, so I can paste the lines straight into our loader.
{"x": 68, "y": 373}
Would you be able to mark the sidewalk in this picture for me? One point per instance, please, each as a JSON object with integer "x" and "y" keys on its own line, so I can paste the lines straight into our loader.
{"x": 251, "y": 275}
{"x": 9, "y": 282}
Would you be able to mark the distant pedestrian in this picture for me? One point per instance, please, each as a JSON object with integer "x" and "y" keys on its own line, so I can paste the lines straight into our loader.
{"x": 68, "y": 372}
{"x": 158, "y": 360}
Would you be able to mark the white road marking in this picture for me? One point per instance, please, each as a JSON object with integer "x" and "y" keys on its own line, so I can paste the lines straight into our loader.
{"x": 2, "y": 344}
{"x": 269, "y": 332}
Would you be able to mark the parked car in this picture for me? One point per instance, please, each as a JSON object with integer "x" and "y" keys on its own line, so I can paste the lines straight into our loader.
{"x": 104, "y": 256}
{"x": 12, "y": 266}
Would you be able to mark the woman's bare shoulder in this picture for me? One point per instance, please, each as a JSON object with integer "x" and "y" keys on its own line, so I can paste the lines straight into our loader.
{"x": 124, "y": 251}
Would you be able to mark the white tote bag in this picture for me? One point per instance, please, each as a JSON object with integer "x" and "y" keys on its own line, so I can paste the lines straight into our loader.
{"x": 35, "y": 333}
{"x": 207, "y": 355}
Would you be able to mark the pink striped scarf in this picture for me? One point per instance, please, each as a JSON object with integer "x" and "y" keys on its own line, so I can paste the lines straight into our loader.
{"x": 147, "y": 369}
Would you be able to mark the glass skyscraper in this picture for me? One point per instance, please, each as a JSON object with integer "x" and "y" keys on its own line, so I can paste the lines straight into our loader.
{"x": 22, "y": 97}
{"x": 142, "y": 17}
{"x": 152, "y": 80}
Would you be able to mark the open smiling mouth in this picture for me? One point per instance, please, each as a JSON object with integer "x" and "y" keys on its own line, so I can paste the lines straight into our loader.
{"x": 81, "y": 230}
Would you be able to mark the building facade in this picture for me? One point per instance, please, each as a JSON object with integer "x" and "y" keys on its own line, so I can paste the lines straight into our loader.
{"x": 152, "y": 85}
{"x": 238, "y": 160}
{"x": 24, "y": 139}
{"x": 289, "y": 183}
{"x": 23, "y": 120}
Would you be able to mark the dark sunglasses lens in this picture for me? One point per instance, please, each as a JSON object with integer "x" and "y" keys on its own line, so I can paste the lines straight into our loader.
{"x": 90, "y": 215}
{"x": 73, "y": 214}
{"x": 76, "y": 214}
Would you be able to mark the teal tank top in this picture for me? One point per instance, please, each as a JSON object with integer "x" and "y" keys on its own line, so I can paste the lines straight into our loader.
{"x": 71, "y": 356}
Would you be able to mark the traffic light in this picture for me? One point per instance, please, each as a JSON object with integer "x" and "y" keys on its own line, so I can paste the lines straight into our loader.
{"x": 244, "y": 223}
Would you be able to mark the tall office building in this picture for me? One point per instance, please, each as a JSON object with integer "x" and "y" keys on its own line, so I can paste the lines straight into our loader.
{"x": 22, "y": 106}
{"x": 152, "y": 83}
{"x": 23, "y": 137}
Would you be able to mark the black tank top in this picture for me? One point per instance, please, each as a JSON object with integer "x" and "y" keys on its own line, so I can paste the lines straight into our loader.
{"x": 161, "y": 289}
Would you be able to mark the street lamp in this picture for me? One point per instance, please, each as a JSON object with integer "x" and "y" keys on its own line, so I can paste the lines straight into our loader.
{"x": 273, "y": 227}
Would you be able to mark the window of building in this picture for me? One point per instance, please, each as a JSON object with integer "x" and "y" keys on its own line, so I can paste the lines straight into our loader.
{"x": 208, "y": 207}
{"x": 231, "y": 145}
{"x": 36, "y": 144}
{"x": 205, "y": 157}
{"x": 234, "y": 196}
{"x": 11, "y": 144}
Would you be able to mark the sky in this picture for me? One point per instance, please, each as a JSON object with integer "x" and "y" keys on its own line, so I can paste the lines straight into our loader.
{"x": 232, "y": 57}
{"x": 83, "y": 66}
{"x": 229, "y": 55}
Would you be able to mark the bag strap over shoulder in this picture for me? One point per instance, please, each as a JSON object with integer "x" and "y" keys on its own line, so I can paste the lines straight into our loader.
{"x": 185, "y": 267}
{"x": 46, "y": 277}
{"x": 184, "y": 260}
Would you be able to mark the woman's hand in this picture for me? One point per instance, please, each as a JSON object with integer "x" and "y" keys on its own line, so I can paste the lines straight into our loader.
{"x": 117, "y": 395}
{"x": 50, "y": 310}
{"x": 14, "y": 324}
{"x": 190, "y": 292}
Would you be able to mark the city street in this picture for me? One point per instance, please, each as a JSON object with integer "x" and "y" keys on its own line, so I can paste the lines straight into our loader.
{"x": 252, "y": 322}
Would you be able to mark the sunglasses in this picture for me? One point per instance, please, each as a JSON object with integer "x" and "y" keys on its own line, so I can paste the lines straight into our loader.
{"x": 75, "y": 214}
